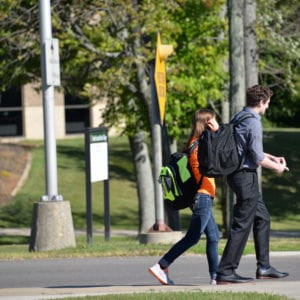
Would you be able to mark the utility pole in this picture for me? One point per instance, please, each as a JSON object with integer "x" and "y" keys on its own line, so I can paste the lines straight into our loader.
{"x": 50, "y": 78}
{"x": 52, "y": 225}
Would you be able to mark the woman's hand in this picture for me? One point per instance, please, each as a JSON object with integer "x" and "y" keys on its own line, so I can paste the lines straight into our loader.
{"x": 212, "y": 124}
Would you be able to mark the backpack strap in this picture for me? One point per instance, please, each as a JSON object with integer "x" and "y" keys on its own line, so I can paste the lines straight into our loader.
{"x": 190, "y": 150}
{"x": 192, "y": 147}
{"x": 200, "y": 182}
{"x": 237, "y": 122}
{"x": 242, "y": 118}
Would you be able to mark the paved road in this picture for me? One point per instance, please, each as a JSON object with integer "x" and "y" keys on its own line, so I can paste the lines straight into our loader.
{"x": 58, "y": 278}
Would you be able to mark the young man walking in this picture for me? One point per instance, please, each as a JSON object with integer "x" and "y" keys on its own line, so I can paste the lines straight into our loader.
{"x": 250, "y": 209}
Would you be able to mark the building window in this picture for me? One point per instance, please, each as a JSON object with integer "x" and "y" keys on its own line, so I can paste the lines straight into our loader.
{"x": 11, "y": 112}
{"x": 77, "y": 114}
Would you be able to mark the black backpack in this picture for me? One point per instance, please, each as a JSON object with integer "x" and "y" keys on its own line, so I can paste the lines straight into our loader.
{"x": 178, "y": 183}
{"x": 218, "y": 154}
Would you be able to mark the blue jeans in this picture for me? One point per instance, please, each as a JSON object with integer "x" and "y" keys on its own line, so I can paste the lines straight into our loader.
{"x": 202, "y": 220}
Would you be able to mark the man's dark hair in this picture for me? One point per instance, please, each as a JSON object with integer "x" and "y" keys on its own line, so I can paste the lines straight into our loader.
{"x": 257, "y": 93}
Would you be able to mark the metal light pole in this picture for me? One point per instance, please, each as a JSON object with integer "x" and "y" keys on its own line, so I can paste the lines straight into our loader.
{"x": 50, "y": 77}
{"x": 52, "y": 225}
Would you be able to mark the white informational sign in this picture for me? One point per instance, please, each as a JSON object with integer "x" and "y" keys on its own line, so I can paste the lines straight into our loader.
{"x": 52, "y": 62}
{"x": 98, "y": 156}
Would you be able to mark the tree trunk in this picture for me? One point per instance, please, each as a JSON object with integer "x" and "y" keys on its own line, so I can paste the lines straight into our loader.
{"x": 251, "y": 55}
{"x": 172, "y": 217}
{"x": 144, "y": 182}
{"x": 236, "y": 55}
{"x": 225, "y": 196}
{"x": 237, "y": 89}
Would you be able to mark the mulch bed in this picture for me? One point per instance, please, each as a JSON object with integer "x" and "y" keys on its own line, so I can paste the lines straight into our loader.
{"x": 13, "y": 159}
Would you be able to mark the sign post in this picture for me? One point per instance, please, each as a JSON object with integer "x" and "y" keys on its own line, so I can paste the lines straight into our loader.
{"x": 96, "y": 157}
{"x": 158, "y": 95}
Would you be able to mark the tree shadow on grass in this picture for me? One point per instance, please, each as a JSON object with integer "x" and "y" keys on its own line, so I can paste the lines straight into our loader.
{"x": 281, "y": 192}
{"x": 128, "y": 219}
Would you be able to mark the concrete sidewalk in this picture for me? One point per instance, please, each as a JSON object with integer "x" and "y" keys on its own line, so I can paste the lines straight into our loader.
{"x": 102, "y": 276}
{"x": 289, "y": 288}
{"x": 133, "y": 233}
{"x": 26, "y": 232}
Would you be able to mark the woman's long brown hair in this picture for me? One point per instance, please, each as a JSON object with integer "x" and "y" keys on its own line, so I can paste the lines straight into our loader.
{"x": 199, "y": 124}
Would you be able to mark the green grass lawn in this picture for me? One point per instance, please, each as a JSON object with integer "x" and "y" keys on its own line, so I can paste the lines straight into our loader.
{"x": 14, "y": 248}
{"x": 281, "y": 192}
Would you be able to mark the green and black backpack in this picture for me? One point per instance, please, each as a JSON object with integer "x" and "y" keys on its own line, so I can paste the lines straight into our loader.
{"x": 178, "y": 183}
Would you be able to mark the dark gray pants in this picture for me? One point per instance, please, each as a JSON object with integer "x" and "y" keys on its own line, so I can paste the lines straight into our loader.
{"x": 249, "y": 210}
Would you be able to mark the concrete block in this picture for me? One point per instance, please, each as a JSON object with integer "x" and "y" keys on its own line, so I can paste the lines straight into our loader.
{"x": 52, "y": 226}
{"x": 168, "y": 237}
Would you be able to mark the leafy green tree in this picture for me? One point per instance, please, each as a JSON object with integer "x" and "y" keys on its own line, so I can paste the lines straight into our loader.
{"x": 105, "y": 47}
{"x": 196, "y": 75}
{"x": 278, "y": 37}
{"x": 19, "y": 38}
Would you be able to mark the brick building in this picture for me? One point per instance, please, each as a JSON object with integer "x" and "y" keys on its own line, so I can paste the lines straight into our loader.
{"x": 21, "y": 113}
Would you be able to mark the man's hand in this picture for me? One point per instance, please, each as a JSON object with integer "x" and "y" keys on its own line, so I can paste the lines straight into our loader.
{"x": 277, "y": 164}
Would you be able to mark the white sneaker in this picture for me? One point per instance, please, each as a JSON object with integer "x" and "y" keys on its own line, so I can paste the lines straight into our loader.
{"x": 160, "y": 274}
{"x": 213, "y": 282}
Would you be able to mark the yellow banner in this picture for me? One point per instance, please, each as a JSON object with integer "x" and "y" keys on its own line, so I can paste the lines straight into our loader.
{"x": 162, "y": 52}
